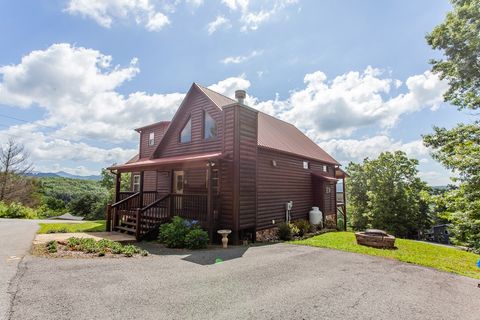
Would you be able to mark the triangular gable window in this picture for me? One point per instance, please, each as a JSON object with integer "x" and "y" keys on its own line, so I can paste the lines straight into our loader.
{"x": 186, "y": 133}
{"x": 209, "y": 126}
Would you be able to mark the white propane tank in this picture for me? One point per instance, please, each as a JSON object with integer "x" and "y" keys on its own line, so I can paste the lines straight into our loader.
{"x": 315, "y": 216}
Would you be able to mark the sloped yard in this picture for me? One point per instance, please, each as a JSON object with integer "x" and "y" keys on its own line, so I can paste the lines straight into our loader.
{"x": 424, "y": 254}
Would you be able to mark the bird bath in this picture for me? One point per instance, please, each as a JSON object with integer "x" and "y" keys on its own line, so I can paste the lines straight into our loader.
{"x": 224, "y": 234}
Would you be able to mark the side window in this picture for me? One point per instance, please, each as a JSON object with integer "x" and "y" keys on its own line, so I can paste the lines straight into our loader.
{"x": 325, "y": 168}
{"x": 151, "y": 139}
{"x": 136, "y": 183}
{"x": 306, "y": 165}
{"x": 186, "y": 133}
{"x": 209, "y": 126}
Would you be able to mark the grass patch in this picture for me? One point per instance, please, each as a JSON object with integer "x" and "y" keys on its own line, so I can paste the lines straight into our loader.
{"x": 424, "y": 254}
{"x": 89, "y": 226}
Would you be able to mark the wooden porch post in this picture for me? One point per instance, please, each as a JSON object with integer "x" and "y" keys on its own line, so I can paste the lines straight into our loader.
{"x": 209, "y": 202}
{"x": 118, "y": 180}
{"x": 344, "y": 205}
{"x": 141, "y": 189}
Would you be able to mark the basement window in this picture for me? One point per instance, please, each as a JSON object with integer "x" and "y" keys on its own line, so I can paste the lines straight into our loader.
{"x": 306, "y": 165}
{"x": 186, "y": 133}
{"x": 151, "y": 139}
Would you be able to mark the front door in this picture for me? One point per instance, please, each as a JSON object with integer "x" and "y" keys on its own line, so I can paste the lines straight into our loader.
{"x": 178, "y": 182}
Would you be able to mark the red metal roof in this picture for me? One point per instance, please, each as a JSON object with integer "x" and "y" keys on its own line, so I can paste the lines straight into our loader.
{"x": 280, "y": 135}
{"x": 321, "y": 176}
{"x": 163, "y": 123}
{"x": 147, "y": 162}
{"x": 218, "y": 99}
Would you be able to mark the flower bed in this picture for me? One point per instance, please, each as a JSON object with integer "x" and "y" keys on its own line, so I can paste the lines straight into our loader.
{"x": 87, "y": 247}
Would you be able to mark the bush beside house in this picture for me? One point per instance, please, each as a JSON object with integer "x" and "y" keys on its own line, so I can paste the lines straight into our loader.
{"x": 181, "y": 233}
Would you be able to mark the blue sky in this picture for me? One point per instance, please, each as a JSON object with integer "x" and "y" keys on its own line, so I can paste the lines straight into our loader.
{"x": 80, "y": 75}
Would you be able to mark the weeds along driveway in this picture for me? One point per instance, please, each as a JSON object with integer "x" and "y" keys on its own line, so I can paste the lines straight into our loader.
{"x": 278, "y": 281}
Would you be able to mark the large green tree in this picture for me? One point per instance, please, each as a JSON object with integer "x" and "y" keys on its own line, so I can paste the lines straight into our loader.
{"x": 458, "y": 149}
{"x": 386, "y": 193}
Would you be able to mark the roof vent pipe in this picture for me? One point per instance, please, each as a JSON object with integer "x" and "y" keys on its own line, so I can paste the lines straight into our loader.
{"x": 240, "y": 95}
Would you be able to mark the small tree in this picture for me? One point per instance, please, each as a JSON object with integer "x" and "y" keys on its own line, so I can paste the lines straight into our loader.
{"x": 14, "y": 166}
{"x": 386, "y": 193}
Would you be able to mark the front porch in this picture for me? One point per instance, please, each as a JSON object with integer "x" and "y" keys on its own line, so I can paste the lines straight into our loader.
{"x": 158, "y": 192}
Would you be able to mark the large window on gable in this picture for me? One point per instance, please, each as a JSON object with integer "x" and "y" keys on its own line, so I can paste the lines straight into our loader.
{"x": 186, "y": 133}
{"x": 209, "y": 126}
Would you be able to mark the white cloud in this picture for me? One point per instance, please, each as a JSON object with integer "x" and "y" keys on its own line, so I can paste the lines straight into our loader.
{"x": 89, "y": 120}
{"x": 251, "y": 19}
{"x": 217, "y": 23}
{"x": 105, "y": 12}
{"x": 240, "y": 59}
{"x": 358, "y": 149}
{"x": 337, "y": 108}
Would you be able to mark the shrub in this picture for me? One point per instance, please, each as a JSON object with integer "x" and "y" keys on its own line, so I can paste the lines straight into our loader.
{"x": 181, "y": 233}
{"x": 52, "y": 246}
{"x": 16, "y": 210}
{"x": 173, "y": 234}
{"x": 303, "y": 227}
{"x": 196, "y": 239}
{"x": 294, "y": 229}
{"x": 284, "y": 231}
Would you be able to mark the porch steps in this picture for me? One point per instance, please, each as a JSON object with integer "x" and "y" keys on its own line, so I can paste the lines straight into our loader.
{"x": 127, "y": 229}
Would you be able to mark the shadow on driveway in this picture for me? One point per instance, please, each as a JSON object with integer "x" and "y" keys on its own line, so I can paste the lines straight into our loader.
{"x": 213, "y": 255}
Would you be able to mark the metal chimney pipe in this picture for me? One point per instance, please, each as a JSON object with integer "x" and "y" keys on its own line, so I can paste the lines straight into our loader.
{"x": 240, "y": 95}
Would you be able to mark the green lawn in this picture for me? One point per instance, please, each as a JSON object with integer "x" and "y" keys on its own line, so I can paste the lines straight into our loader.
{"x": 424, "y": 254}
{"x": 88, "y": 226}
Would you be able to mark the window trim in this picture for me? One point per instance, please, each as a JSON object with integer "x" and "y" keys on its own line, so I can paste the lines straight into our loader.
{"x": 306, "y": 164}
{"x": 151, "y": 139}
{"x": 135, "y": 176}
{"x": 189, "y": 119}
{"x": 204, "y": 121}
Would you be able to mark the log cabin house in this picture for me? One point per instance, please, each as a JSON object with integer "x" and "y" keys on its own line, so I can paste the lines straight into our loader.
{"x": 226, "y": 165}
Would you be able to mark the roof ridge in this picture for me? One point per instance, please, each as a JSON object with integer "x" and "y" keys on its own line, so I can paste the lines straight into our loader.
{"x": 203, "y": 88}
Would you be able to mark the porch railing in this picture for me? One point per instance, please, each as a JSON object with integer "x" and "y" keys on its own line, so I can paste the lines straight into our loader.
{"x": 190, "y": 206}
{"x": 129, "y": 215}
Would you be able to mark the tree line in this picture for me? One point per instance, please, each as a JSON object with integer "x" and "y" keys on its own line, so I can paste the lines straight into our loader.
{"x": 387, "y": 193}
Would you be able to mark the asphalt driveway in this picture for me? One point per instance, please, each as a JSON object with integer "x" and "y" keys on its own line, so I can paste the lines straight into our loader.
{"x": 278, "y": 281}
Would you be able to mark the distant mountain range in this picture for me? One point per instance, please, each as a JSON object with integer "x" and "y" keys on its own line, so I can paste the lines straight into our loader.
{"x": 63, "y": 174}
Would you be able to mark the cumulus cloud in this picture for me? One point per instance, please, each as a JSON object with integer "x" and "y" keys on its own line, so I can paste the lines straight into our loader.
{"x": 88, "y": 120}
{"x": 339, "y": 107}
{"x": 240, "y": 59}
{"x": 105, "y": 12}
{"x": 252, "y": 18}
{"x": 218, "y": 23}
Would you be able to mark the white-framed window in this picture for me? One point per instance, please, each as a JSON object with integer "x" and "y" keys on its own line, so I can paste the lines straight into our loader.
{"x": 136, "y": 183}
{"x": 186, "y": 133}
{"x": 209, "y": 126}
{"x": 324, "y": 168}
{"x": 306, "y": 165}
{"x": 151, "y": 139}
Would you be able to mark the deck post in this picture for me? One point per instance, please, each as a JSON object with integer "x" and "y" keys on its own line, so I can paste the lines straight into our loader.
{"x": 108, "y": 216}
{"x": 344, "y": 205}
{"x": 209, "y": 201}
{"x": 118, "y": 180}
{"x": 138, "y": 226}
{"x": 141, "y": 188}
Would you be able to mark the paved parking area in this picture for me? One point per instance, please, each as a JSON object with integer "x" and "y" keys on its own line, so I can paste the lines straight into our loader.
{"x": 277, "y": 281}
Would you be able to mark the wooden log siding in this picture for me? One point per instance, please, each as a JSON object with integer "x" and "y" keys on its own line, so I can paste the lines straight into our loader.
{"x": 145, "y": 150}
{"x": 284, "y": 182}
{"x": 226, "y": 219}
{"x": 193, "y": 108}
{"x": 247, "y": 157}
